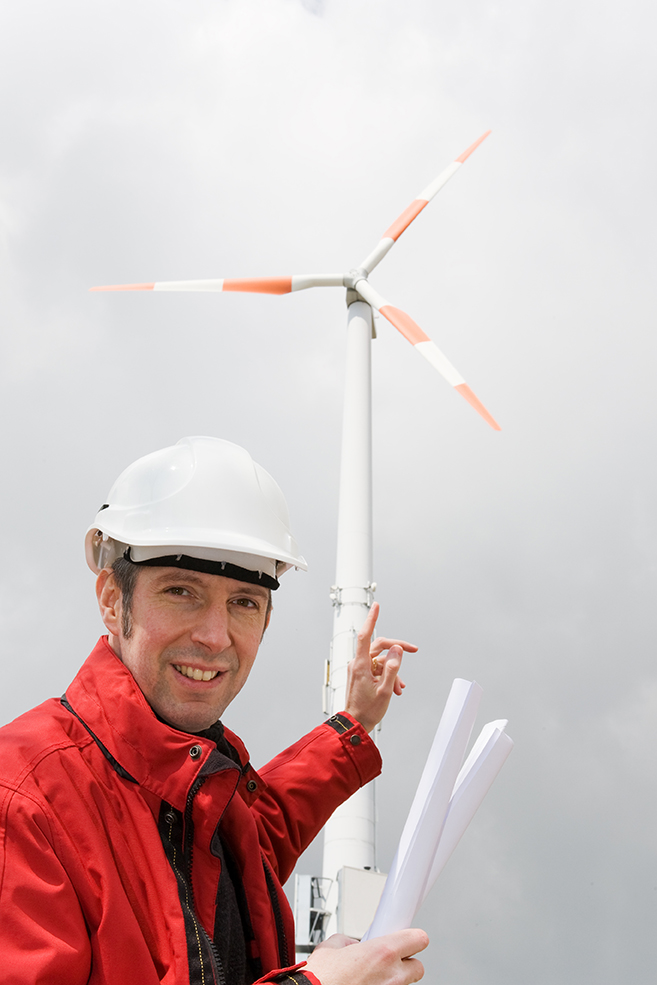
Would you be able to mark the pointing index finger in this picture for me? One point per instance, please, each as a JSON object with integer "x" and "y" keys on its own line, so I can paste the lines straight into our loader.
{"x": 367, "y": 628}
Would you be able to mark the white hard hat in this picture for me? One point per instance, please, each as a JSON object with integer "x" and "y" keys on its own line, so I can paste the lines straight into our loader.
{"x": 202, "y": 503}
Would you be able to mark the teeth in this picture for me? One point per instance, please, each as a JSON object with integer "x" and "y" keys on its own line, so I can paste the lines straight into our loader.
{"x": 195, "y": 674}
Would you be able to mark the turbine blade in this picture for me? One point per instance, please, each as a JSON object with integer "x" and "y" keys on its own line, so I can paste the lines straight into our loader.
{"x": 258, "y": 285}
{"x": 124, "y": 287}
{"x": 251, "y": 285}
{"x": 423, "y": 344}
{"x": 411, "y": 212}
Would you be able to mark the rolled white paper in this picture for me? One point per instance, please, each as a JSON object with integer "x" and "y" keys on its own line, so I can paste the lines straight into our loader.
{"x": 404, "y": 888}
{"x": 445, "y": 802}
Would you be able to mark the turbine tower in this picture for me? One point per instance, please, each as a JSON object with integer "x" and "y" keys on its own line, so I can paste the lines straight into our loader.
{"x": 349, "y": 836}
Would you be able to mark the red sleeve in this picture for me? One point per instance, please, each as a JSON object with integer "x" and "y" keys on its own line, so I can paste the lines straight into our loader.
{"x": 306, "y": 783}
{"x": 43, "y": 936}
{"x": 295, "y": 975}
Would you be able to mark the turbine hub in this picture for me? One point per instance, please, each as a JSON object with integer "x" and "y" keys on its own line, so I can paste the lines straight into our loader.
{"x": 357, "y": 273}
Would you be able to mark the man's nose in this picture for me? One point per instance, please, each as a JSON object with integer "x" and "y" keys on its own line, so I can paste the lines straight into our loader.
{"x": 211, "y": 629}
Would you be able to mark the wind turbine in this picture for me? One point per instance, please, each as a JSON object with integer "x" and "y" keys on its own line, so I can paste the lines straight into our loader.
{"x": 349, "y": 836}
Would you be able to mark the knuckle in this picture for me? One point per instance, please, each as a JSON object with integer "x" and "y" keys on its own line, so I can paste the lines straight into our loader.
{"x": 418, "y": 970}
{"x": 387, "y": 953}
{"x": 412, "y": 971}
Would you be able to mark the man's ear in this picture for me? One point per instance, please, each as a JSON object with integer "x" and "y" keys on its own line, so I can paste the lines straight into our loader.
{"x": 109, "y": 601}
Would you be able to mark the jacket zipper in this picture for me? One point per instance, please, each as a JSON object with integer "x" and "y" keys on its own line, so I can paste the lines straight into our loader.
{"x": 217, "y": 967}
{"x": 283, "y": 952}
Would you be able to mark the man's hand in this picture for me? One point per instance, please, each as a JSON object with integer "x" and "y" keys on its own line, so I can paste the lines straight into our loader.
{"x": 382, "y": 961}
{"x": 371, "y": 678}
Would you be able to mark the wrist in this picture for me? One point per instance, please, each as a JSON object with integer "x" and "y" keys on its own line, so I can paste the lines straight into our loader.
{"x": 364, "y": 720}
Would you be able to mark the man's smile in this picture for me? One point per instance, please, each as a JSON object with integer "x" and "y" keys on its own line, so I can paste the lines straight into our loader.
{"x": 195, "y": 673}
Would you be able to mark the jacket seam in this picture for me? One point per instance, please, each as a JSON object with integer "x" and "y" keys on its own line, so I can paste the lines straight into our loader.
{"x": 41, "y": 756}
{"x": 114, "y": 763}
{"x": 115, "y": 732}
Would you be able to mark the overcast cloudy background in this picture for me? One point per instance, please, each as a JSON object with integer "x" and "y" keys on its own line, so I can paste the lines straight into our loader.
{"x": 165, "y": 140}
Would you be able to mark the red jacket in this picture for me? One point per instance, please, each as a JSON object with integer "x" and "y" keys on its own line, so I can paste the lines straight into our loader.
{"x": 108, "y": 870}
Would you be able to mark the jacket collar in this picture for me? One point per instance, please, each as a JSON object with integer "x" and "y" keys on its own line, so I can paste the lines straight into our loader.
{"x": 106, "y": 697}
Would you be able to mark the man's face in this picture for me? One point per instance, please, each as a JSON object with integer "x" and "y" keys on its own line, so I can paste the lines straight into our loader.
{"x": 193, "y": 641}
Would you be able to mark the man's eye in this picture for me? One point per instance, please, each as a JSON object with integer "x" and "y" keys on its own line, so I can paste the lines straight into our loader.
{"x": 177, "y": 590}
{"x": 247, "y": 603}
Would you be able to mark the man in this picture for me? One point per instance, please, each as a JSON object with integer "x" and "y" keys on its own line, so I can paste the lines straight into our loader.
{"x": 138, "y": 845}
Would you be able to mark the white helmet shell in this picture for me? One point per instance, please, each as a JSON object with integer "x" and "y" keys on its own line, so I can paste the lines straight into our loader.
{"x": 204, "y": 498}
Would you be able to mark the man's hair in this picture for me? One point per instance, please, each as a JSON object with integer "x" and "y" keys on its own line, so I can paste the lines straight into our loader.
{"x": 125, "y": 573}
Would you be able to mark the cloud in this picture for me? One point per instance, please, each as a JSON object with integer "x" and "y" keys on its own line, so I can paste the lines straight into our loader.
{"x": 162, "y": 141}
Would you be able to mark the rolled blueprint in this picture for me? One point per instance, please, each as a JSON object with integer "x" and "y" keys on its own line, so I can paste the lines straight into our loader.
{"x": 444, "y": 804}
{"x": 486, "y": 759}
{"x": 404, "y": 888}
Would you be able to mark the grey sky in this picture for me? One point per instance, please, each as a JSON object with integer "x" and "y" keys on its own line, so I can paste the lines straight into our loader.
{"x": 154, "y": 141}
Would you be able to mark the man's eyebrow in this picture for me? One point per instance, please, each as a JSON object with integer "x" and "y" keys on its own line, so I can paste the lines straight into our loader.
{"x": 178, "y": 574}
{"x": 248, "y": 589}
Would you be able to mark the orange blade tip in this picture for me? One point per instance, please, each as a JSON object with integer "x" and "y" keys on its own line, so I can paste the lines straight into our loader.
{"x": 466, "y": 153}
{"x": 125, "y": 287}
{"x": 475, "y": 402}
